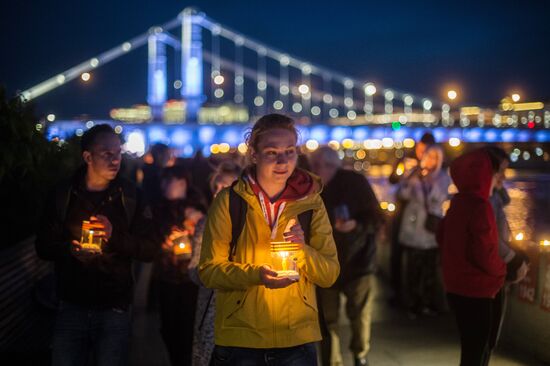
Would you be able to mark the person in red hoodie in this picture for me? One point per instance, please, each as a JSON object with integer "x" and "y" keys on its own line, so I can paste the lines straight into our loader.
{"x": 473, "y": 272}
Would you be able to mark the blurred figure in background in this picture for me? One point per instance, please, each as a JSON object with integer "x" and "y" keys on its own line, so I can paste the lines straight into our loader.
{"x": 473, "y": 271}
{"x": 355, "y": 216}
{"x": 402, "y": 167}
{"x": 177, "y": 214}
{"x": 203, "y": 338}
{"x": 161, "y": 158}
{"x": 424, "y": 188}
{"x": 517, "y": 263}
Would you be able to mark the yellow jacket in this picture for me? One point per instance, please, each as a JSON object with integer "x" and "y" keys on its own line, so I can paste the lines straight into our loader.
{"x": 247, "y": 313}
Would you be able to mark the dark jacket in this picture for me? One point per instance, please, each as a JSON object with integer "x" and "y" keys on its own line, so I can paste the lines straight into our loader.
{"x": 105, "y": 281}
{"x": 468, "y": 236}
{"x": 356, "y": 249}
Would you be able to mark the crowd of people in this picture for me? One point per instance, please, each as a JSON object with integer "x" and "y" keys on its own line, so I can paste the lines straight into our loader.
{"x": 210, "y": 234}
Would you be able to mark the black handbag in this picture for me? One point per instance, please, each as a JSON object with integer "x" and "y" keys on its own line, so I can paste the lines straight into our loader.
{"x": 432, "y": 221}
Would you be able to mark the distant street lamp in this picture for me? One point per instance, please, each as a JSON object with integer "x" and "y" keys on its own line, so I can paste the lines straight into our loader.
{"x": 85, "y": 76}
{"x": 452, "y": 94}
{"x": 516, "y": 97}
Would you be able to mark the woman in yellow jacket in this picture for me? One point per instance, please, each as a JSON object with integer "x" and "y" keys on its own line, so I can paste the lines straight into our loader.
{"x": 262, "y": 318}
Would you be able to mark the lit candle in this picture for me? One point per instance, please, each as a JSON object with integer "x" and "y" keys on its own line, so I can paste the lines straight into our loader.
{"x": 519, "y": 236}
{"x": 280, "y": 253}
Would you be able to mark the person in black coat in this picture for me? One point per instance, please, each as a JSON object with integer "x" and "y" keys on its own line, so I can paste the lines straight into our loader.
{"x": 354, "y": 213}
{"x": 177, "y": 214}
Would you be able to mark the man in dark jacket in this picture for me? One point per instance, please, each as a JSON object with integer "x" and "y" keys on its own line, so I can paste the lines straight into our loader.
{"x": 355, "y": 216}
{"x": 95, "y": 287}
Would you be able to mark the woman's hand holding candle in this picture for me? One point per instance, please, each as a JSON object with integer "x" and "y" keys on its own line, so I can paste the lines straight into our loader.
{"x": 269, "y": 278}
{"x": 293, "y": 233}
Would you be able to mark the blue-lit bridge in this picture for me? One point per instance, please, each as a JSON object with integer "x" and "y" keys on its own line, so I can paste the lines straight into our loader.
{"x": 227, "y": 79}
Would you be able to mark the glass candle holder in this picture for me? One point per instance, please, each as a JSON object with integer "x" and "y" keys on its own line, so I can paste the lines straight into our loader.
{"x": 90, "y": 239}
{"x": 182, "y": 247}
{"x": 283, "y": 259}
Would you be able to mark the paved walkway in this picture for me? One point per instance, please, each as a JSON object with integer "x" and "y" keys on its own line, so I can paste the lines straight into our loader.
{"x": 396, "y": 340}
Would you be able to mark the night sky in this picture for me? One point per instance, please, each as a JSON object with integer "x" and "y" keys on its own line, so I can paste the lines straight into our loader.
{"x": 487, "y": 48}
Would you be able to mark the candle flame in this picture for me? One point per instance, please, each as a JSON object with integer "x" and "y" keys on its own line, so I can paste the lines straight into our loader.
{"x": 283, "y": 254}
{"x": 519, "y": 236}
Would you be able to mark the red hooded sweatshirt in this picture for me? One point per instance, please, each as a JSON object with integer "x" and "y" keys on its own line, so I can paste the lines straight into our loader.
{"x": 467, "y": 236}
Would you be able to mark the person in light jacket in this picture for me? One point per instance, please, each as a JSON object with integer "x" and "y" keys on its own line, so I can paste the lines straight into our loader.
{"x": 425, "y": 189}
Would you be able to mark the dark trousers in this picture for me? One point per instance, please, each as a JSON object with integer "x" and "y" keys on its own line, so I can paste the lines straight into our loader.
{"x": 82, "y": 334}
{"x": 177, "y": 303}
{"x": 304, "y": 355}
{"x": 475, "y": 320}
{"x": 422, "y": 279}
{"x": 499, "y": 308}
{"x": 359, "y": 300}
{"x": 396, "y": 254}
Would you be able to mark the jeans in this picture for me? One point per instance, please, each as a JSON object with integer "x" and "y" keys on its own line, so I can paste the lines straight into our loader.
{"x": 81, "y": 333}
{"x": 304, "y": 355}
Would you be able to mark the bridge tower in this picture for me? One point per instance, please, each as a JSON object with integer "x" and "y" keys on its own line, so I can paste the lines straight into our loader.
{"x": 191, "y": 63}
{"x": 157, "y": 78}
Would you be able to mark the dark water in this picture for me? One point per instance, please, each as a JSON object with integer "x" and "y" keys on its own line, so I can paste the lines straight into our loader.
{"x": 529, "y": 211}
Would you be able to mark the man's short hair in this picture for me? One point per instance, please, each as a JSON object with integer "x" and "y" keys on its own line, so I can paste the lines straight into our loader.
{"x": 497, "y": 156}
{"x": 427, "y": 138}
{"x": 174, "y": 172}
{"x": 89, "y": 137}
{"x": 160, "y": 152}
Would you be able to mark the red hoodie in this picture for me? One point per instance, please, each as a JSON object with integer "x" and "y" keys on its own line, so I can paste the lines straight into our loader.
{"x": 468, "y": 235}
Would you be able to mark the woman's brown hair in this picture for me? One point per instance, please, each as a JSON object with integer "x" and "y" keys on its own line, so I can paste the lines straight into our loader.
{"x": 266, "y": 124}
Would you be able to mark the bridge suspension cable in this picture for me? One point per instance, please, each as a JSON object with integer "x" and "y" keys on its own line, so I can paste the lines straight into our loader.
{"x": 99, "y": 60}
{"x": 312, "y": 101}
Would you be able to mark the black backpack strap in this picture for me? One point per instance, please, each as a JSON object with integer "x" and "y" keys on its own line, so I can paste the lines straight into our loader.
{"x": 305, "y": 221}
{"x": 63, "y": 194}
{"x": 237, "y": 213}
